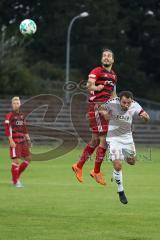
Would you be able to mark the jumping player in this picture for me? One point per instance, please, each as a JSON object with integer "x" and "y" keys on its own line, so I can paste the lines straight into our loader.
{"x": 19, "y": 140}
{"x": 120, "y": 112}
{"x": 101, "y": 85}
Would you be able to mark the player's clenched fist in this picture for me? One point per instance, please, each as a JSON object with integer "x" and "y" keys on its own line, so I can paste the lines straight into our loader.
{"x": 99, "y": 87}
{"x": 145, "y": 116}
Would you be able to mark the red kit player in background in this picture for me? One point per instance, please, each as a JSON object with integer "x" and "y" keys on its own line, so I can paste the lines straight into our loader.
{"x": 102, "y": 87}
{"x": 19, "y": 140}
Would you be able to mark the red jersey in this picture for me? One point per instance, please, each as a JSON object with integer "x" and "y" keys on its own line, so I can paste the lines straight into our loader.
{"x": 15, "y": 126}
{"x": 106, "y": 78}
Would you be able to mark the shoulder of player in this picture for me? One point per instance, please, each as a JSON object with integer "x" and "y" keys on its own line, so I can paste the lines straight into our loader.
{"x": 135, "y": 103}
{"x": 113, "y": 72}
{"x": 116, "y": 99}
{"x": 136, "y": 106}
{"x": 113, "y": 100}
{"x": 96, "y": 69}
{"x": 99, "y": 68}
{"x": 9, "y": 115}
{"x": 94, "y": 73}
{"x": 22, "y": 113}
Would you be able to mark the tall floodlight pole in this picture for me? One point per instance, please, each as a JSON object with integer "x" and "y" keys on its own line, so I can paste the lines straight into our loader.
{"x": 81, "y": 15}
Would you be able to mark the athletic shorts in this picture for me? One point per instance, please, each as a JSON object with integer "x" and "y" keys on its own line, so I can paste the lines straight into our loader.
{"x": 20, "y": 151}
{"x": 97, "y": 122}
{"x": 121, "y": 151}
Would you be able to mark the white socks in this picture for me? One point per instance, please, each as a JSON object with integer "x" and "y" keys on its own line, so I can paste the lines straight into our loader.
{"x": 117, "y": 175}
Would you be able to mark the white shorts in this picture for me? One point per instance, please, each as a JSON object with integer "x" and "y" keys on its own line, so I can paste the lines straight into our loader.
{"x": 120, "y": 151}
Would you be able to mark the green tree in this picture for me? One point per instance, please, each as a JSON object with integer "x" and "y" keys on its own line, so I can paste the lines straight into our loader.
{"x": 129, "y": 28}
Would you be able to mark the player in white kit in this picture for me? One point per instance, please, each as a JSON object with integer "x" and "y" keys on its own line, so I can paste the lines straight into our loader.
{"x": 120, "y": 112}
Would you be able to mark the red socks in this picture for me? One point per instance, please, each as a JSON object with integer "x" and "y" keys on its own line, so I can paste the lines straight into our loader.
{"x": 14, "y": 171}
{"x": 99, "y": 158}
{"x": 22, "y": 167}
{"x": 87, "y": 152}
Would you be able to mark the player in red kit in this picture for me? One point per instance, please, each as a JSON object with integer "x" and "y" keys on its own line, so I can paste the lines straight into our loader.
{"x": 19, "y": 140}
{"x": 102, "y": 87}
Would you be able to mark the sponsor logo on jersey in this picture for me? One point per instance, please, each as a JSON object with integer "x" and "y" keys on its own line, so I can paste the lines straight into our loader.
{"x": 121, "y": 117}
{"x": 19, "y": 123}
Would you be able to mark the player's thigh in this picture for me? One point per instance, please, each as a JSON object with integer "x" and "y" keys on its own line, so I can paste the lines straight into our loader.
{"x": 97, "y": 122}
{"x": 115, "y": 155}
{"x": 129, "y": 153}
{"x": 102, "y": 139}
{"x": 115, "y": 151}
{"x": 25, "y": 152}
{"x": 94, "y": 139}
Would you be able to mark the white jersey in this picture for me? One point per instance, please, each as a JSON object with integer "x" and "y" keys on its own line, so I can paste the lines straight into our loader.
{"x": 120, "y": 124}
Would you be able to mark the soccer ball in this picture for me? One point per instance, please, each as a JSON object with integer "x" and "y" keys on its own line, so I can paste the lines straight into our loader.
{"x": 28, "y": 27}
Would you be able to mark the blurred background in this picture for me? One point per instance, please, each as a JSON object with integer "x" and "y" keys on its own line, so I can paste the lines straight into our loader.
{"x": 36, "y": 65}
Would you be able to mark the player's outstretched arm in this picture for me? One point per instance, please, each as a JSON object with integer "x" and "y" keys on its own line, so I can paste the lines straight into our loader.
{"x": 145, "y": 116}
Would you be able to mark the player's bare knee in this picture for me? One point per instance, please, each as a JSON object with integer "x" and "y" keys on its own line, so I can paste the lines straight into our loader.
{"x": 131, "y": 161}
{"x": 117, "y": 165}
{"x": 94, "y": 141}
{"x": 118, "y": 168}
{"x": 15, "y": 160}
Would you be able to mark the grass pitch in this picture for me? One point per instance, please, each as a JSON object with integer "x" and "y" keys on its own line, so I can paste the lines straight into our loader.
{"x": 54, "y": 206}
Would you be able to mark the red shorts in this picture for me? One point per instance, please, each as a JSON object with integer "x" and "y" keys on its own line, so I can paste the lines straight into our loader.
{"x": 97, "y": 122}
{"x": 20, "y": 151}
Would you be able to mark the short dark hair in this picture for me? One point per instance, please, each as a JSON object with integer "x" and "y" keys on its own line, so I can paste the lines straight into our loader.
{"x": 126, "y": 94}
{"x": 107, "y": 50}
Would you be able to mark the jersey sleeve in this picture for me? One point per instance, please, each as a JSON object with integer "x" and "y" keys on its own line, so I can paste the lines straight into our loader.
{"x": 7, "y": 124}
{"x": 93, "y": 75}
{"x": 111, "y": 104}
{"x": 138, "y": 109}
